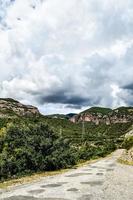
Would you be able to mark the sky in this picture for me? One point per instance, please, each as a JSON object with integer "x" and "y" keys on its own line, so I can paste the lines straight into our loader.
{"x": 66, "y": 56}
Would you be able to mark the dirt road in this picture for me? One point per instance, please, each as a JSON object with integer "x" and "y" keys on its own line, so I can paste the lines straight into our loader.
{"x": 103, "y": 180}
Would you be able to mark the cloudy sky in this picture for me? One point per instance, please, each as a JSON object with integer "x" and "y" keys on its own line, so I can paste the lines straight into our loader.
{"x": 64, "y": 56}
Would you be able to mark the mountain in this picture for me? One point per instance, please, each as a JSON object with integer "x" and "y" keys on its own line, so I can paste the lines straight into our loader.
{"x": 61, "y": 116}
{"x": 57, "y": 116}
{"x": 107, "y": 116}
{"x": 95, "y": 110}
{"x": 70, "y": 115}
{"x": 31, "y": 142}
{"x": 10, "y": 108}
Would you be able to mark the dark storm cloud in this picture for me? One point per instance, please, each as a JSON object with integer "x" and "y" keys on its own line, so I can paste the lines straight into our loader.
{"x": 129, "y": 86}
{"x": 62, "y": 98}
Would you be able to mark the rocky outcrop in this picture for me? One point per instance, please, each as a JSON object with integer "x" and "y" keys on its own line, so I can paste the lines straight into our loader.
{"x": 127, "y": 157}
{"x": 12, "y": 108}
{"x": 97, "y": 116}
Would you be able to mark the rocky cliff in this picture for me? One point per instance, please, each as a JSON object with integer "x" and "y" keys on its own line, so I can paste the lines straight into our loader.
{"x": 99, "y": 115}
{"x": 12, "y": 108}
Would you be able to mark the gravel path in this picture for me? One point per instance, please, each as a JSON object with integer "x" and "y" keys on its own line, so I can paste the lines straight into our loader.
{"x": 103, "y": 180}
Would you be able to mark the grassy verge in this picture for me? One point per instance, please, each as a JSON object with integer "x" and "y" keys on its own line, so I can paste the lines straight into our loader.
{"x": 29, "y": 179}
{"x": 125, "y": 162}
{"x": 37, "y": 176}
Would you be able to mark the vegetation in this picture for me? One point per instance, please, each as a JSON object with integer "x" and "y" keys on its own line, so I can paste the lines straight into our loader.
{"x": 94, "y": 134}
{"x": 127, "y": 156}
{"x": 125, "y": 110}
{"x": 9, "y": 100}
{"x": 32, "y": 148}
{"x": 61, "y": 116}
{"x": 96, "y": 110}
{"x": 28, "y": 145}
{"x": 96, "y": 141}
{"x": 128, "y": 142}
{"x": 45, "y": 143}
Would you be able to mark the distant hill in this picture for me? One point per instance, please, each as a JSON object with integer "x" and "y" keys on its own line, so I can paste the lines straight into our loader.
{"x": 57, "y": 116}
{"x": 124, "y": 110}
{"x": 70, "y": 115}
{"x": 61, "y": 116}
{"x": 96, "y": 110}
{"x": 108, "y": 116}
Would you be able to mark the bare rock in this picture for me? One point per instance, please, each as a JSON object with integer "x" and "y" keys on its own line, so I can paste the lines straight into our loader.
{"x": 13, "y": 108}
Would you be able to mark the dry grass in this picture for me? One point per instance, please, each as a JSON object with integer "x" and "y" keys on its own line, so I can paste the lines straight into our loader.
{"x": 30, "y": 178}
{"x": 125, "y": 162}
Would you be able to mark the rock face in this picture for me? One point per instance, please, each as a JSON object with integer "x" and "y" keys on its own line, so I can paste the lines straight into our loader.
{"x": 105, "y": 115}
{"x": 12, "y": 108}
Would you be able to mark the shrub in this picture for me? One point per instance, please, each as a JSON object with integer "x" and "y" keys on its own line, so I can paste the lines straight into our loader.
{"x": 32, "y": 148}
{"x": 128, "y": 142}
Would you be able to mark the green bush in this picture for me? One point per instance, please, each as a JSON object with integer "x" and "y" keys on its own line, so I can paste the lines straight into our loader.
{"x": 28, "y": 145}
{"x": 33, "y": 148}
{"x": 128, "y": 142}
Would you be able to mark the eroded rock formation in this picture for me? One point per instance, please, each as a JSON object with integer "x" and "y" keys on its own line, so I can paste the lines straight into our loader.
{"x": 120, "y": 115}
{"x": 11, "y": 108}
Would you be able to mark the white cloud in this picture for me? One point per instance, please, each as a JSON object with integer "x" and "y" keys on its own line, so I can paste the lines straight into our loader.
{"x": 66, "y": 53}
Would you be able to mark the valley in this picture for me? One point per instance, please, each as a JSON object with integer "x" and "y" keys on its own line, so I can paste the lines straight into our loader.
{"x": 34, "y": 143}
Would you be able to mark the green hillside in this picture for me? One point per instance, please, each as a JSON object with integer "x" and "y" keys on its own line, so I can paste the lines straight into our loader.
{"x": 35, "y": 143}
{"x": 124, "y": 110}
{"x": 103, "y": 137}
{"x": 108, "y": 111}
{"x": 96, "y": 110}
